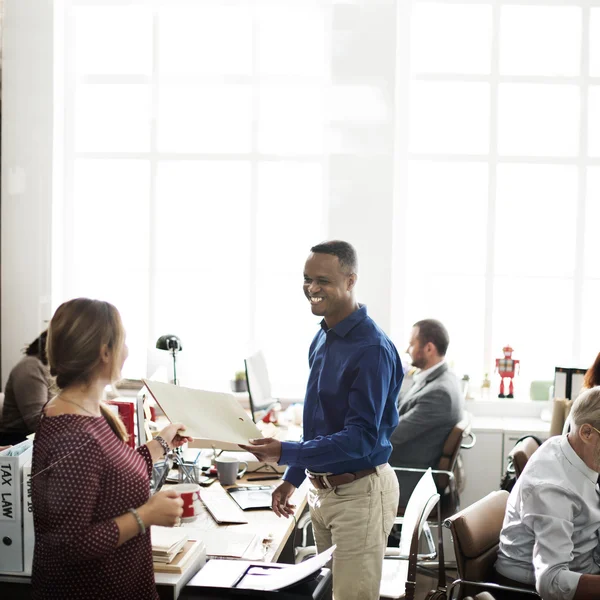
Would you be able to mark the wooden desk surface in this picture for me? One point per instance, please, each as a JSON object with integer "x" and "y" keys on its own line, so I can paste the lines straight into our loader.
{"x": 262, "y": 523}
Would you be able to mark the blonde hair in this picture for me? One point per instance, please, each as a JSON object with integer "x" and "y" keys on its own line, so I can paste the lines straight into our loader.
{"x": 77, "y": 332}
{"x": 586, "y": 408}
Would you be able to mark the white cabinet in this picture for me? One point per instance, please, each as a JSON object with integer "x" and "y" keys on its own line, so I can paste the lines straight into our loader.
{"x": 483, "y": 466}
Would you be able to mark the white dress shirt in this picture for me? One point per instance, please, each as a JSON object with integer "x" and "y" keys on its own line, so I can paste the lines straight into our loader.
{"x": 551, "y": 528}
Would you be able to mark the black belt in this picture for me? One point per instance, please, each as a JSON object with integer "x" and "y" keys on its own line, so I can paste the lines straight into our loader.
{"x": 326, "y": 482}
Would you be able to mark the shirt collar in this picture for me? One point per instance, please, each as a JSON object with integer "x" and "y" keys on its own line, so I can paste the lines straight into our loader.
{"x": 422, "y": 375}
{"x": 576, "y": 461}
{"x": 352, "y": 320}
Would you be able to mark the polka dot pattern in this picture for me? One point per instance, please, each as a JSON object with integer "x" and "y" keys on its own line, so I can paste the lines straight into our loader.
{"x": 87, "y": 477}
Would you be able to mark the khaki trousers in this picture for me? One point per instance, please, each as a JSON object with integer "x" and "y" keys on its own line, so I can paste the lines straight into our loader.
{"x": 357, "y": 517}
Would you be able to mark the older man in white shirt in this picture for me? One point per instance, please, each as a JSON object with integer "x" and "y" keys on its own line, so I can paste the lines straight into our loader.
{"x": 551, "y": 530}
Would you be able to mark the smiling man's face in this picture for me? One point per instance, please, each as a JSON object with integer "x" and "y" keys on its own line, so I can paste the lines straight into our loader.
{"x": 328, "y": 288}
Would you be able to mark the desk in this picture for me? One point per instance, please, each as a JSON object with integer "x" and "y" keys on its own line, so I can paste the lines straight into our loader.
{"x": 260, "y": 522}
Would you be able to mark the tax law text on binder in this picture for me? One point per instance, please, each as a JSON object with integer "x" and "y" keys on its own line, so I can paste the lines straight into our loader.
{"x": 12, "y": 461}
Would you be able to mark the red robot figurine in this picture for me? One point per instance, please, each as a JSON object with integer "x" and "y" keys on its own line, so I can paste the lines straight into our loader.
{"x": 506, "y": 367}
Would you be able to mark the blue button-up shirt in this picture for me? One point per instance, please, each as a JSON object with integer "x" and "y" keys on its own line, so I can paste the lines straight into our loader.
{"x": 350, "y": 404}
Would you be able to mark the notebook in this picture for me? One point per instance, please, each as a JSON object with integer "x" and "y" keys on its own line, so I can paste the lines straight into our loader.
{"x": 252, "y": 497}
{"x": 222, "y": 509}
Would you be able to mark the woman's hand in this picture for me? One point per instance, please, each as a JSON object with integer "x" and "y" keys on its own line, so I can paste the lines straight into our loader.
{"x": 164, "y": 508}
{"x": 174, "y": 436}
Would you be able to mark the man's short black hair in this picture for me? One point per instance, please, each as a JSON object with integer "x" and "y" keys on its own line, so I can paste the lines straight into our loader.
{"x": 343, "y": 250}
{"x": 433, "y": 331}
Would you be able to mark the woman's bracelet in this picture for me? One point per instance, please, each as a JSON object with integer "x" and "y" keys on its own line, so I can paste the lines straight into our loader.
{"x": 140, "y": 523}
{"x": 161, "y": 440}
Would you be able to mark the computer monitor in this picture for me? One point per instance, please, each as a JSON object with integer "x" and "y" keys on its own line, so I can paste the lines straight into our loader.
{"x": 259, "y": 385}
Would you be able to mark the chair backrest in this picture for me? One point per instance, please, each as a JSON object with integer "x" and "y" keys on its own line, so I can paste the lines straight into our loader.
{"x": 417, "y": 502}
{"x": 522, "y": 452}
{"x": 476, "y": 535}
{"x": 451, "y": 449}
{"x": 400, "y": 577}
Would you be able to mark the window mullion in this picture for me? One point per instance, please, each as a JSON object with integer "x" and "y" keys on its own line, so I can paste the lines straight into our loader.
{"x": 579, "y": 275}
{"x": 492, "y": 188}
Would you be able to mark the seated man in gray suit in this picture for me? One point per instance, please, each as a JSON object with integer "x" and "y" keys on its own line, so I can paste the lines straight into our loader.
{"x": 429, "y": 409}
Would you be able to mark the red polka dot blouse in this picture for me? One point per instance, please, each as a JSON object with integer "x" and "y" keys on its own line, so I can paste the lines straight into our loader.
{"x": 83, "y": 477}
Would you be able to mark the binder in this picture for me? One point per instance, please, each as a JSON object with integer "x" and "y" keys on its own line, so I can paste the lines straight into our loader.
{"x": 11, "y": 525}
{"x": 28, "y": 533}
{"x": 568, "y": 382}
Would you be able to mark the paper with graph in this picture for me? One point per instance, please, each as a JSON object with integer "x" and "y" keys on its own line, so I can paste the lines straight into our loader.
{"x": 211, "y": 418}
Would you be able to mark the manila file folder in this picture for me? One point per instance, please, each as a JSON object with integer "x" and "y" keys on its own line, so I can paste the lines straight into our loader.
{"x": 212, "y": 417}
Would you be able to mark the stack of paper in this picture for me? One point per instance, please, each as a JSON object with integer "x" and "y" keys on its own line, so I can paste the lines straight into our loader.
{"x": 167, "y": 542}
{"x": 192, "y": 552}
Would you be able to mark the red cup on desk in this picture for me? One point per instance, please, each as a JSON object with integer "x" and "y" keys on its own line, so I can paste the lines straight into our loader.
{"x": 190, "y": 494}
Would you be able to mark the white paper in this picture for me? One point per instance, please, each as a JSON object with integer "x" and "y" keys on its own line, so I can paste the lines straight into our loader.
{"x": 286, "y": 576}
{"x": 210, "y": 415}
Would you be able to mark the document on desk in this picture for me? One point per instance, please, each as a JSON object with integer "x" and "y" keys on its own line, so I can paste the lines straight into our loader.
{"x": 257, "y": 576}
{"x": 216, "y": 418}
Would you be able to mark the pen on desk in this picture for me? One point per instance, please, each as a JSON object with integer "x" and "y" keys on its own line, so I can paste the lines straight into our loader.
{"x": 263, "y": 478}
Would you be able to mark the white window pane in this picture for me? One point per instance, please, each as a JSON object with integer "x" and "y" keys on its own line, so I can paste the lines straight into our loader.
{"x": 538, "y": 120}
{"x": 451, "y": 38}
{"x": 449, "y": 117}
{"x": 594, "y": 120}
{"x": 112, "y": 118}
{"x": 108, "y": 251}
{"x": 455, "y": 301}
{"x": 449, "y": 200}
{"x": 291, "y": 40}
{"x": 207, "y": 310}
{"x": 205, "y": 40}
{"x": 592, "y": 218}
{"x": 536, "y": 212}
{"x": 290, "y": 215}
{"x": 213, "y": 119}
{"x": 289, "y": 222}
{"x": 291, "y": 119}
{"x": 590, "y": 329}
{"x": 285, "y": 328}
{"x": 534, "y": 317}
{"x": 540, "y": 40}
{"x": 202, "y": 278}
{"x": 202, "y": 219}
{"x": 113, "y": 40}
{"x": 595, "y": 42}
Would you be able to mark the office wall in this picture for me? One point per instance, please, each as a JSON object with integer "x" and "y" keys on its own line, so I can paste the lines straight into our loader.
{"x": 27, "y": 124}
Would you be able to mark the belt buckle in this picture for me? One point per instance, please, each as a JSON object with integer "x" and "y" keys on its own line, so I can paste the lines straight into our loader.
{"x": 326, "y": 482}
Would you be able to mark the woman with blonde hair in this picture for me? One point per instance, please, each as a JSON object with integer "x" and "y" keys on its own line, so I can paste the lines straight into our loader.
{"x": 92, "y": 508}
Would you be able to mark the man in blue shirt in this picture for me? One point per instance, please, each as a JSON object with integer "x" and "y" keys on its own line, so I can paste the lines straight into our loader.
{"x": 349, "y": 416}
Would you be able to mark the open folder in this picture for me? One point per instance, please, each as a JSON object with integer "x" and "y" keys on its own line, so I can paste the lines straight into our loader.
{"x": 211, "y": 418}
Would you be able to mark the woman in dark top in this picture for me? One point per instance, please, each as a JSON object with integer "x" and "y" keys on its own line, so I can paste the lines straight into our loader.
{"x": 26, "y": 392}
{"x": 92, "y": 508}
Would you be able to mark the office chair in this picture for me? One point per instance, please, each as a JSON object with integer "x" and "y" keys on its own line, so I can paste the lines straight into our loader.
{"x": 400, "y": 564}
{"x": 460, "y": 438}
{"x": 476, "y": 536}
{"x": 522, "y": 452}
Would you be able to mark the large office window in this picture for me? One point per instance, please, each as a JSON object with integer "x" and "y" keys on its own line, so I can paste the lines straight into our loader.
{"x": 504, "y": 180}
{"x": 195, "y": 176}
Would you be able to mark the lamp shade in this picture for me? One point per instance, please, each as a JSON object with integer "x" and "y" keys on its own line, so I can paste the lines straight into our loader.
{"x": 169, "y": 342}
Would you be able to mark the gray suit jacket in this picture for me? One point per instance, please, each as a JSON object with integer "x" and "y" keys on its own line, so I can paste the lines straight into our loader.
{"x": 428, "y": 412}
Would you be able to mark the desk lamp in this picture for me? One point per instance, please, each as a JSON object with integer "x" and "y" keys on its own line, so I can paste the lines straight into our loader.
{"x": 173, "y": 344}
